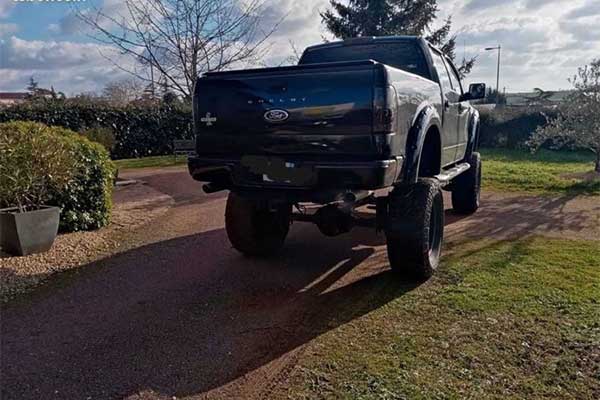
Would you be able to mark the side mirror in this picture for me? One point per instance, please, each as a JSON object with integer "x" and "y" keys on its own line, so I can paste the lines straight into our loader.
{"x": 476, "y": 92}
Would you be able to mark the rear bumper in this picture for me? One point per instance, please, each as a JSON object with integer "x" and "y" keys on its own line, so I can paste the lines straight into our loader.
{"x": 328, "y": 175}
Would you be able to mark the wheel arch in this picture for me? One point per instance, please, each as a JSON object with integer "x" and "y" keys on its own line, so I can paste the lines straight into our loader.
{"x": 426, "y": 123}
{"x": 474, "y": 134}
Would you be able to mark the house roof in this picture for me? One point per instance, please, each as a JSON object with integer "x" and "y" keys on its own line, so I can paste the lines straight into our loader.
{"x": 13, "y": 95}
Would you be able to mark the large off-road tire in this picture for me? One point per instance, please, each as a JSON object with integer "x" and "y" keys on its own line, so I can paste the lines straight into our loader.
{"x": 255, "y": 230}
{"x": 415, "y": 228}
{"x": 466, "y": 188}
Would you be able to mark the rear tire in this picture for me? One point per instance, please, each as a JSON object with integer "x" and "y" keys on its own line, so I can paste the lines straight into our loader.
{"x": 466, "y": 188}
{"x": 255, "y": 230}
{"x": 415, "y": 228}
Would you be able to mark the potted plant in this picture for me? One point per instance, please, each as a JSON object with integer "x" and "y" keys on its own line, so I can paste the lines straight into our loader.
{"x": 32, "y": 162}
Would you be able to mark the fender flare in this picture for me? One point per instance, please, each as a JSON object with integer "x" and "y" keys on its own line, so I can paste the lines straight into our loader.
{"x": 425, "y": 119}
{"x": 474, "y": 133}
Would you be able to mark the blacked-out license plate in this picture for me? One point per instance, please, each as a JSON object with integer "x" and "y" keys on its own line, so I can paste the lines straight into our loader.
{"x": 279, "y": 171}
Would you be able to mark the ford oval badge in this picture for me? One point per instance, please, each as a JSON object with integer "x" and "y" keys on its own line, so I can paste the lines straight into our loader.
{"x": 276, "y": 115}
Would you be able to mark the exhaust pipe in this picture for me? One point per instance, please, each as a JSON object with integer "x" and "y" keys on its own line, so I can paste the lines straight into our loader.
{"x": 356, "y": 199}
{"x": 213, "y": 187}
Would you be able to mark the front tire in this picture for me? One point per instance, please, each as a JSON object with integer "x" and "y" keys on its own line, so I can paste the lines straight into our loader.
{"x": 256, "y": 230}
{"x": 466, "y": 188}
{"x": 415, "y": 228}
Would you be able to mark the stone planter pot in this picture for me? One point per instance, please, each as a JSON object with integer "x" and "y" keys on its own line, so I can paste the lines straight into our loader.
{"x": 23, "y": 233}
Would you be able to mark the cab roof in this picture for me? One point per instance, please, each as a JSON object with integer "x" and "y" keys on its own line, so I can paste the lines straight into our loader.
{"x": 366, "y": 40}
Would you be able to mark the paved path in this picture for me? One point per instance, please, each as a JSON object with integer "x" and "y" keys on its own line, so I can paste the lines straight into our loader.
{"x": 179, "y": 313}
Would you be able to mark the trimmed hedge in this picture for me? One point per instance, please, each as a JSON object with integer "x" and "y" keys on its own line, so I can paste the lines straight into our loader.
{"x": 511, "y": 128}
{"x": 139, "y": 130}
{"x": 85, "y": 198}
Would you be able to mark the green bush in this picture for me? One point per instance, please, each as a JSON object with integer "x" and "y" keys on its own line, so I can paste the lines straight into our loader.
{"x": 85, "y": 196}
{"x": 102, "y": 135}
{"x": 33, "y": 164}
{"x": 139, "y": 131}
{"x": 511, "y": 128}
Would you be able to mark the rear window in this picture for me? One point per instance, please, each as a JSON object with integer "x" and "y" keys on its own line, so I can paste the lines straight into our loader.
{"x": 398, "y": 54}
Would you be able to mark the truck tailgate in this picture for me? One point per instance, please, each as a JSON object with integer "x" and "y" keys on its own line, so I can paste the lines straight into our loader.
{"x": 308, "y": 109}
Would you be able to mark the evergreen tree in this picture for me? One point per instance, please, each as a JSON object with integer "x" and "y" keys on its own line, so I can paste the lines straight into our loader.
{"x": 32, "y": 88}
{"x": 392, "y": 17}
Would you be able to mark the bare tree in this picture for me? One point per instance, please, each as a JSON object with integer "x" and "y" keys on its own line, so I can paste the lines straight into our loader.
{"x": 123, "y": 91}
{"x": 578, "y": 121}
{"x": 177, "y": 40}
{"x": 293, "y": 58}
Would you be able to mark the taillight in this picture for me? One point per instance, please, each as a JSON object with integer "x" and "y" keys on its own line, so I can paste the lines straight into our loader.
{"x": 385, "y": 109}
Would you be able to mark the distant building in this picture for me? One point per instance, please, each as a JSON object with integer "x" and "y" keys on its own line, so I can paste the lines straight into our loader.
{"x": 10, "y": 98}
{"x": 45, "y": 93}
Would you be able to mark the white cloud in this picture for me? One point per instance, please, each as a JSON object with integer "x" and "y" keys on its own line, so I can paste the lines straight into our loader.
{"x": 589, "y": 9}
{"x": 476, "y": 5}
{"x": 37, "y": 54}
{"x": 8, "y": 29}
{"x": 71, "y": 23}
{"x": 68, "y": 25}
{"x": 585, "y": 32}
{"x": 5, "y": 7}
{"x": 543, "y": 41}
{"x": 484, "y": 6}
{"x": 301, "y": 26}
{"x": 70, "y": 67}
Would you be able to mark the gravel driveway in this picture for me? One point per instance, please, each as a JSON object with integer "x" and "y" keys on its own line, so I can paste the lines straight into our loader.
{"x": 177, "y": 312}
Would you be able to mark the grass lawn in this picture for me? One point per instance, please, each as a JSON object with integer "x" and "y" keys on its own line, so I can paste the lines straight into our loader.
{"x": 546, "y": 172}
{"x": 156, "y": 161}
{"x": 503, "y": 320}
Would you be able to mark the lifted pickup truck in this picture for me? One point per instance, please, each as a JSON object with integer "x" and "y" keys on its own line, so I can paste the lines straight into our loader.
{"x": 352, "y": 117}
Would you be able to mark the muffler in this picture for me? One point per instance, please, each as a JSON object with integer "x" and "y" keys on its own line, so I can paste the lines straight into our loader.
{"x": 332, "y": 221}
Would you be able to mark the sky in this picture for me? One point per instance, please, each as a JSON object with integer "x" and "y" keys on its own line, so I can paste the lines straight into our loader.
{"x": 543, "y": 41}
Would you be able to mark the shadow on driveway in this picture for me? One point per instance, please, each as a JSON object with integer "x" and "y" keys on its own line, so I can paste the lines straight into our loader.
{"x": 187, "y": 315}
{"x": 183, "y": 316}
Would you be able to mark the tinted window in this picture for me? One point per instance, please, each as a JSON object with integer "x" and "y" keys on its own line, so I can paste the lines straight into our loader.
{"x": 454, "y": 77}
{"x": 406, "y": 55}
{"x": 440, "y": 66}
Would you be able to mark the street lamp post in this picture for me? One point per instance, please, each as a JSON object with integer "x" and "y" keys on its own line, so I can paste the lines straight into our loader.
{"x": 499, "y": 48}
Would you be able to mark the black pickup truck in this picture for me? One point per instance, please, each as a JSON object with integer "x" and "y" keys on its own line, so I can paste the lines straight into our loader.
{"x": 352, "y": 117}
